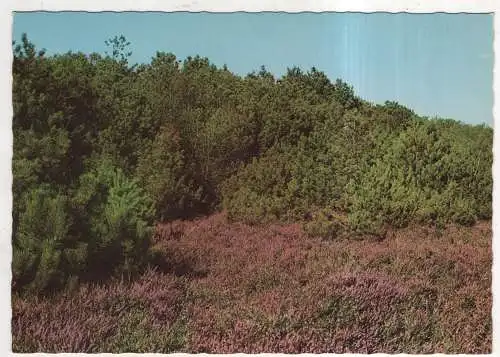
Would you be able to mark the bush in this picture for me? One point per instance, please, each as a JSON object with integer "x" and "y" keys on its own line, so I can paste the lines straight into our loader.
{"x": 450, "y": 205}
{"x": 326, "y": 224}
{"x": 428, "y": 174}
{"x": 262, "y": 190}
{"x": 39, "y": 241}
{"x": 170, "y": 179}
{"x": 385, "y": 194}
{"x": 118, "y": 219}
{"x": 105, "y": 228}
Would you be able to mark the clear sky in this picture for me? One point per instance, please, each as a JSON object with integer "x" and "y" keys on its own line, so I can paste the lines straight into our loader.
{"x": 437, "y": 64}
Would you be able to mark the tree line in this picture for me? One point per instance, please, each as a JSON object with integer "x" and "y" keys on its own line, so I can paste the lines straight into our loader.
{"x": 104, "y": 149}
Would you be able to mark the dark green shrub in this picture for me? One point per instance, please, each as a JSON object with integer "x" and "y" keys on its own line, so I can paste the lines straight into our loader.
{"x": 261, "y": 191}
{"x": 169, "y": 178}
{"x": 118, "y": 219}
{"x": 39, "y": 241}
{"x": 220, "y": 143}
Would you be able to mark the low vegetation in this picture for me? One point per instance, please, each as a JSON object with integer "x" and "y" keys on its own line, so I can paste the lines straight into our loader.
{"x": 374, "y": 217}
{"x": 223, "y": 287}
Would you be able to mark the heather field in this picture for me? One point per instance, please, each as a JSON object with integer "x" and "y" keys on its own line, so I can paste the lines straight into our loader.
{"x": 223, "y": 287}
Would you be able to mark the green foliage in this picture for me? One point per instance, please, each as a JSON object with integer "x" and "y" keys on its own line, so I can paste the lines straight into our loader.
{"x": 105, "y": 227}
{"x": 326, "y": 224}
{"x": 344, "y": 94}
{"x": 426, "y": 175}
{"x": 261, "y": 191}
{"x": 41, "y": 234}
{"x": 108, "y": 147}
{"x": 118, "y": 45}
{"x": 221, "y": 142}
{"x": 385, "y": 194}
{"x": 169, "y": 178}
{"x": 117, "y": 216}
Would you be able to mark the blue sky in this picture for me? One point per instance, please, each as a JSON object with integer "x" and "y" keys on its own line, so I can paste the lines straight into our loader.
{"x": 437, "y": 64}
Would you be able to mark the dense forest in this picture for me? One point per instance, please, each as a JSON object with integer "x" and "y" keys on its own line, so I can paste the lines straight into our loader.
{"x": 103, "y": 150}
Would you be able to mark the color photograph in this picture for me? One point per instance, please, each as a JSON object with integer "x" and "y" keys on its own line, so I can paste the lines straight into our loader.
{"x": 246, "y": 182}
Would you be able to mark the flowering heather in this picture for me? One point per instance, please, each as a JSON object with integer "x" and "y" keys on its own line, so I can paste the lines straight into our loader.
{"x": 228, "y": 287}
